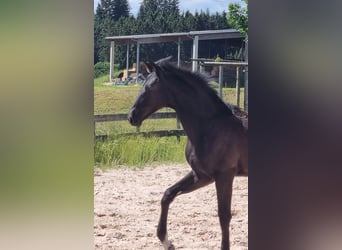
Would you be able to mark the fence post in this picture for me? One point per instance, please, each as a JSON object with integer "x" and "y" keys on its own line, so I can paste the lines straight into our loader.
{"x": 138, "y": 63}
{"x": 238, "y": 86}
{"x": 178, "y": 65}
{"x": 246, "y": 89}
{"x": 220, "y": 80}
{"x": 201, "y": 67}
{"x": 111, "y": 61}
{"x": 178, "y": 127}
{"x": 178, "y": 52}
{"x": 127, "y": 60}
{"x": 195, "y": 53}
{"x": 246, "y": 76}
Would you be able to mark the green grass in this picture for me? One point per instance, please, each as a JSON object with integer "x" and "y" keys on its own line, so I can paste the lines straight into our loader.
{"x": 100, "y": 80}
{"x": 118, "y": 99}
{"x": 114, "y": 99}
{"x": 135, "y": 151}
{"x": 139, "y": 151}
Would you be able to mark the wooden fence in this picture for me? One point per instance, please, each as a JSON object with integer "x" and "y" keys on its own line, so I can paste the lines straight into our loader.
{"x": 123, "y": 117}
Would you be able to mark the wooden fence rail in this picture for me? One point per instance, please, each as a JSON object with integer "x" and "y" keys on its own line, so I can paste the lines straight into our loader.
{"x": 123, "y": 117}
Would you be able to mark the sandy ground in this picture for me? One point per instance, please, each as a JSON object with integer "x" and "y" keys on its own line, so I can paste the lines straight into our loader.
{"x": 127, "y": 207}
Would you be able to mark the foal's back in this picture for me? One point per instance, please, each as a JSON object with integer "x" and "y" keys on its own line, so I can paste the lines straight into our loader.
{"x": 222, "y": 146}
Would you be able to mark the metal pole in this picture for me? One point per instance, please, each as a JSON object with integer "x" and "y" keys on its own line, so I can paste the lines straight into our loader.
{"x": 178, "y": 127}
{"x": 237, "y": 86}
{"x": 246, "y": 88}
{"x": 246, "y": 76}
{"x": 137, "y": 66}
{"x": 111, "y": 61}
{"x": 201, "y": 68}
{"x": 195, "y": 53}
{"x": 178, "y": 65}
{"x": 127, "y": 60}
{"x": 178, "y": 56}
{"x": 220, "y": 80}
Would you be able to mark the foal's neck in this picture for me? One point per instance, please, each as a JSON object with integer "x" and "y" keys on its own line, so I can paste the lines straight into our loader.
{"x": 196, "y": 104}
{"x": 198, "y": 111}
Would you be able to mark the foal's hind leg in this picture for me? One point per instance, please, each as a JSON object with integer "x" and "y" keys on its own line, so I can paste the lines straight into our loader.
{"x": 224, "y": 188}
{"x": 189, "y": 183}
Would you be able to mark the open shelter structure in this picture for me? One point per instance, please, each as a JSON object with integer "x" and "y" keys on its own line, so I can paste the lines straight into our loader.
{"x": 178, "y": 38}
{"x": 195, "y": 36}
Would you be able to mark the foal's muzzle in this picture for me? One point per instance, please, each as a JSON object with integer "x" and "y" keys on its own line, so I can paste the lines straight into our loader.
{"x": 132, "y": 117}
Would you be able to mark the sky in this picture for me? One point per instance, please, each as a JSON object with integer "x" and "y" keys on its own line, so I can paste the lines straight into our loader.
{"x": 191, "y": 5}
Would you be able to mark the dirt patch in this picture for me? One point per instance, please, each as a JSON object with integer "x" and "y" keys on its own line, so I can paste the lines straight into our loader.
{"x": 127, "y": 208}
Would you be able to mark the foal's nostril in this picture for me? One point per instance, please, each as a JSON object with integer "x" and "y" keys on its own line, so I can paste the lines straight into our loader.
{"x": 130, "y": 117}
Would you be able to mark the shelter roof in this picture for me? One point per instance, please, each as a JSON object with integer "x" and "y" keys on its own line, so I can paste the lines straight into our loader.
{"x": 175, "y": 37}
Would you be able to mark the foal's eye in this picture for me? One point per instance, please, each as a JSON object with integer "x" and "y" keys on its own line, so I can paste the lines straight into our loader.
{"x": 147, "y": 87}
{"x": 152, "y": 84}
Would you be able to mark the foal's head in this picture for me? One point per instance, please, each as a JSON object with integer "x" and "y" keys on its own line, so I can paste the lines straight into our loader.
{"x": 150, "y": 98}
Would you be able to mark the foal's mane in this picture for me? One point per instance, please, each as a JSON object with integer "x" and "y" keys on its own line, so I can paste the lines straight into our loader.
{"x": 193, "y": 82}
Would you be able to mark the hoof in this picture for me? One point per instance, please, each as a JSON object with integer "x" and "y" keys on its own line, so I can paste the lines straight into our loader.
{"x": 167, "y": 244}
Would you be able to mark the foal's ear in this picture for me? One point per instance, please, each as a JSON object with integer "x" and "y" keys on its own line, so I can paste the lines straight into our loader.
{"x": 163, "y": 60}
{"x": 150, "y": 67}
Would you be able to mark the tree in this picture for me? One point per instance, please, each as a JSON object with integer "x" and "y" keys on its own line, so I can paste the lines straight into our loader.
{"x": 107, "y": 29}
{"x": 121, "y": 9}
{"x": 108, "y": 21}
{"x": 113, "y": 9}
{"x": 105, "y": 9}
{"x": 112, "y": 18}
{"x": 97, "y": 36}
{"x": 237, "y": 17}
{"x": 158, "y": 16}
{"x": 99, "y": 13}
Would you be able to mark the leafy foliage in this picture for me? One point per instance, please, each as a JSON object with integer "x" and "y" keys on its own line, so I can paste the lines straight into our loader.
{"x": 237, "y": 17}
{"x": 101, "y": 69}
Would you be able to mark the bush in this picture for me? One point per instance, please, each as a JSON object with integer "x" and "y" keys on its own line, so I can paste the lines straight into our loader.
{"x": 101, "y": 69}
{"x": 218, "y": 59}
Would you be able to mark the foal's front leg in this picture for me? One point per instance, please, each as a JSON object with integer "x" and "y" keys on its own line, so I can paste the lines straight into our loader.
{"x": 189, "y": 183}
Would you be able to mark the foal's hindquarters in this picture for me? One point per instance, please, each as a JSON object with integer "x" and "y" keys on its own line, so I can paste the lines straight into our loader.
{"x": 206, "y": 170}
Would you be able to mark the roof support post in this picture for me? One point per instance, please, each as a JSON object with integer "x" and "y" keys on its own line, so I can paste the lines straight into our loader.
{"x": 137, "y": 65}
{"x": 237, "y": 86}
{"x": 195, "y": 53}
{"x": 178, "y": 55}
{"x": 178, "y": 65}
{"x": 111, "y": 61}
{"x": 220, "y": 80}
{"x": 201, "y": 67}
{"x": 127, "y": 60}
{"x": 246, "y": 76}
